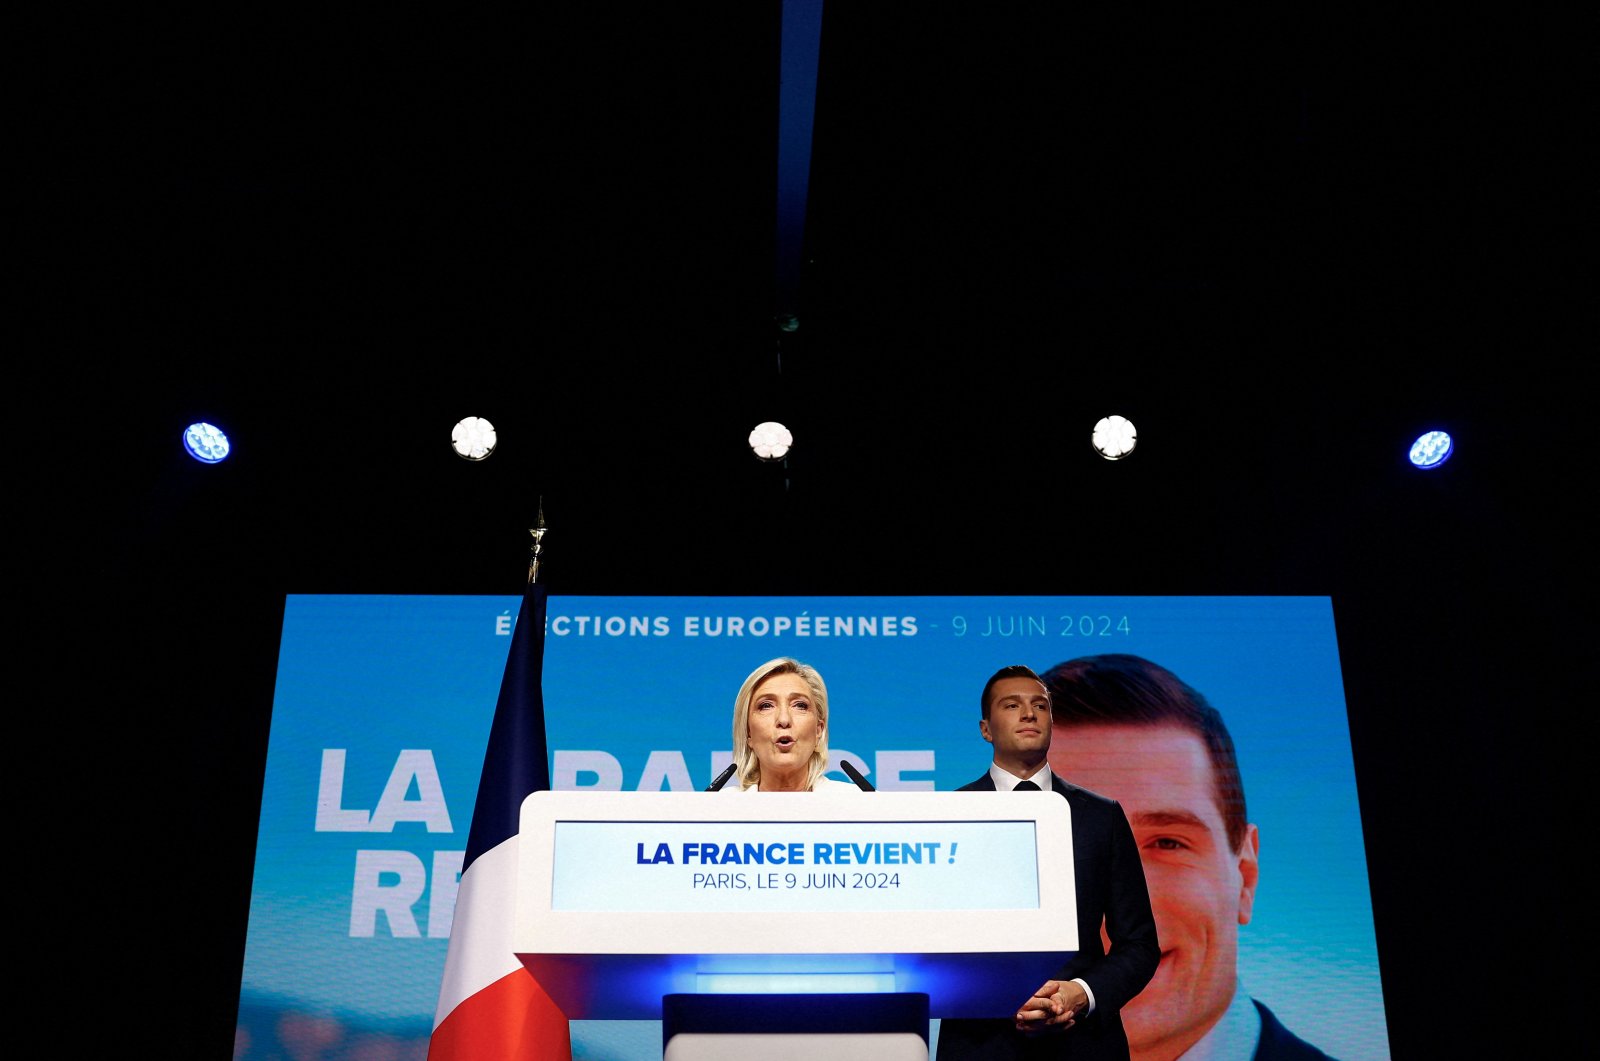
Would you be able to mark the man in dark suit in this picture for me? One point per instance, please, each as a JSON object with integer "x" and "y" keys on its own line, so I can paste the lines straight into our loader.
{"x": 1076, "y": 1014}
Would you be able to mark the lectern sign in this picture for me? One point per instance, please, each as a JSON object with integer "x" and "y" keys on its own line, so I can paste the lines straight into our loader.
{"x": 799, "y": 865}
{"x": 627, "y": 896}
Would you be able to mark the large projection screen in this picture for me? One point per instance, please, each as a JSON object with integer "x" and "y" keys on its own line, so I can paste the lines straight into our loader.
{"x": 382, "y": 708}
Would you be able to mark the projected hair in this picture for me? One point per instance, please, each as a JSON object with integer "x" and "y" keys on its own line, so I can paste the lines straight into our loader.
{"x": 1126, "y": 690}
{"x": 748, "y": 766}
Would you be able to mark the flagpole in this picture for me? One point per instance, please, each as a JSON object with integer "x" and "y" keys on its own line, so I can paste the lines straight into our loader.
{"x": 537, "y": 530}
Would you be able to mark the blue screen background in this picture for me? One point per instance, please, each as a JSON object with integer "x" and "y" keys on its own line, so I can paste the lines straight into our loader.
{"x": 376, "y": 675}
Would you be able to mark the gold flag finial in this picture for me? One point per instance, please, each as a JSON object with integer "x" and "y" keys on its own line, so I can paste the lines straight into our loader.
{"x": 537, "y": 530}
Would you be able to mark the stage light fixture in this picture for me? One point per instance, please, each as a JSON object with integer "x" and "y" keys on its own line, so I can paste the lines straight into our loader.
{"x": 1431, "y": 449}
{"x": 1114, "y": 437}
{"x": 770, "y": 440}
{"x": 206, "y": 443}
{"x": 473, "y": 438}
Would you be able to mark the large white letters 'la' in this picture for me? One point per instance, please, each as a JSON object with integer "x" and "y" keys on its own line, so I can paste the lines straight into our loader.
{"x": 410, "y": 765}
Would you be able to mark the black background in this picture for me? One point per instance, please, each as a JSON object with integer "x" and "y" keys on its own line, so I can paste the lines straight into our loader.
{"x": 1283, "y": 244}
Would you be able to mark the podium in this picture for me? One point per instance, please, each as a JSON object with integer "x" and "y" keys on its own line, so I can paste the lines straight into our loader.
{"x": 627, "y": 899}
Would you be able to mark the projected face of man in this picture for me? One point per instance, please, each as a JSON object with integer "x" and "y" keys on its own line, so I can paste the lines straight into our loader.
{"x": 1201, "y": 890}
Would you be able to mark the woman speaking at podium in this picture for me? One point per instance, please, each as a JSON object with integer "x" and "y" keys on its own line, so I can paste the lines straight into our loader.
{"x": 780, "y": 730}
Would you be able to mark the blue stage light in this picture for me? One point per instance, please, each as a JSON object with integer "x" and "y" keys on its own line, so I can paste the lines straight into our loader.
{"x": 1431, "y": 449}
{"x": 205, "y": 442}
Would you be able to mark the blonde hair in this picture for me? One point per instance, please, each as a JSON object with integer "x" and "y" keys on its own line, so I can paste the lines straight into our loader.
{"x": 748, "y": 766}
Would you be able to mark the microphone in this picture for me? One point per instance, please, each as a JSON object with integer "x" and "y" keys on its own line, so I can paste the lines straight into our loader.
{"x": 855, "y": 775}
{"x": 722, "y": 778}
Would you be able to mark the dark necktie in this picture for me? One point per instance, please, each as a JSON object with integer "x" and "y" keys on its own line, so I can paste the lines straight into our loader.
{"x": 1025, "y": 786}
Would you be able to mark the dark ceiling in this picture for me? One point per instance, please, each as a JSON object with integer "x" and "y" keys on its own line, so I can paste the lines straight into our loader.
{"x": 1282, "y": 246}
{"x": 1282, "y": 242}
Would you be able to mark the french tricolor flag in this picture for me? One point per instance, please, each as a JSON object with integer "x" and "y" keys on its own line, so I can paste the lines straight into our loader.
{"x": 490, "y": 1007}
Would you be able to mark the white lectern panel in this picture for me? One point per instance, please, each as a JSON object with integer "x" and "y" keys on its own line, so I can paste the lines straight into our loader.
{"x": 743, "y": 1046}
{"x": 883, "y": 1027}
{"x": 627, "y": 896}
